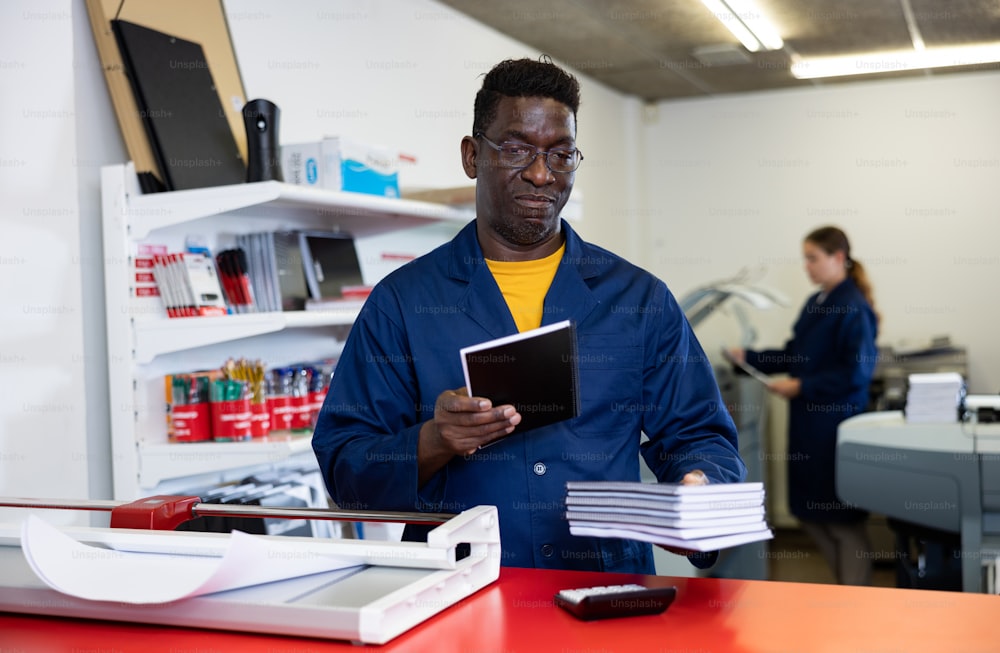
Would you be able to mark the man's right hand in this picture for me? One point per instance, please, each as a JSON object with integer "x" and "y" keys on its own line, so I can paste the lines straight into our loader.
{"x": 461, "y": 425}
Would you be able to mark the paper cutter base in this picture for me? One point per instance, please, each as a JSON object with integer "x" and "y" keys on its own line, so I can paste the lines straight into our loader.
{"x": 400, "y": 585}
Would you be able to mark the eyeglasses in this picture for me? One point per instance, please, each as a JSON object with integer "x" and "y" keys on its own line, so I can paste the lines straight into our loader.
{"x": 522, "y": 155}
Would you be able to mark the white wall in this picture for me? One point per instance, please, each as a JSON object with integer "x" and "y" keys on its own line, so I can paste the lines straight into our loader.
{"x": 405, "y": 73}
{"x": 43, "y": 412}
{"x": 908, "y": 168}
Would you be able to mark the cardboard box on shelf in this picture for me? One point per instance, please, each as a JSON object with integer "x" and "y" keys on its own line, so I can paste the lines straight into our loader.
{"x": 339, "y": 163}
{"x": 301, "y": 164}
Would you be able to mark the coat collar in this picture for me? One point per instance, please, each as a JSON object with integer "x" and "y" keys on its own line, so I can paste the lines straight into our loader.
{"x": 569, "y": 296}
{"x": 467, "y": 256}
{"x": 839, "y": 293}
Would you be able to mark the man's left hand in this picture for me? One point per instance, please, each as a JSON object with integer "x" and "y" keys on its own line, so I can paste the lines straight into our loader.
{"x": 696, "y": 477}
{"x": 787, "y": 388}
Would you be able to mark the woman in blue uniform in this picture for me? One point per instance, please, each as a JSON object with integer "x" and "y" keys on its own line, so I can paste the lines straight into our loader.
{"x": 829, "y": 364}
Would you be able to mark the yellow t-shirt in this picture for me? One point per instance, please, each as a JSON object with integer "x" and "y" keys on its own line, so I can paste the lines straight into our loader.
{"x": 524, "y": 285}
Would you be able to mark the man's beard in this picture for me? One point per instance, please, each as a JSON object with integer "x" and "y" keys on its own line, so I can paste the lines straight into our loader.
{"x": 522, "y": 233}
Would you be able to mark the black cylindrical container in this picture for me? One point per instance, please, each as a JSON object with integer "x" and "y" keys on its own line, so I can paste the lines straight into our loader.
{"x": 263, "y": 153}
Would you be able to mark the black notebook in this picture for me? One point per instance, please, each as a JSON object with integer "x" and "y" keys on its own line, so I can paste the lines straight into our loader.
{"x": 536, "y": 371}
{"x": 180, "y": 107}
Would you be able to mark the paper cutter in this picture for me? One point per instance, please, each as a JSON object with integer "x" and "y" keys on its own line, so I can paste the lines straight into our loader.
{"x": 396, "y": 585}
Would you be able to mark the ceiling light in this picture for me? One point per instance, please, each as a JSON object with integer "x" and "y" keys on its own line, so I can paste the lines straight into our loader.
{"x": 747, "y": 23}
{"x": 889, "y": 62}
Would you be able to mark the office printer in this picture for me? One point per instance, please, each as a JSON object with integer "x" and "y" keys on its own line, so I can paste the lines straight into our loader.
{"x": 942, "y": 476}
{"x": 745, "y": 397}
{"x": 896, "y": 363}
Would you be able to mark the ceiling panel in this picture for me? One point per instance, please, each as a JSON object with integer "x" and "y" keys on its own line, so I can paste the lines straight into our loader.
{"x": 671, "y": 49}
{"x": 958, "y": 21}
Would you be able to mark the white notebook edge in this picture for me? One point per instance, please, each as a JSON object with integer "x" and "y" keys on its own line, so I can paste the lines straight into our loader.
{"x": 702, "y": 544}
{"x": 665, "y": 489}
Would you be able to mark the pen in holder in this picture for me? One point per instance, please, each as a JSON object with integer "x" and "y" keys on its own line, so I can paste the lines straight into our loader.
{"x": 251, "y": 374}
{"x": 188, "y": 408}
{"x": 231, "y": 412}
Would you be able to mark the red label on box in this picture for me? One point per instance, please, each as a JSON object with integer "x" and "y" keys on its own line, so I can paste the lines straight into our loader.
{"x": 260, "y": 420}
{"x": 231, "y": 420}
{"x": 204, "y": 311}
{"x": 302, "y": 415}
{"x": 282, "y": 413}
{"x": 191, "y": 423}
{"x": 316, "y": 400}
{"x": 149, "y": 248}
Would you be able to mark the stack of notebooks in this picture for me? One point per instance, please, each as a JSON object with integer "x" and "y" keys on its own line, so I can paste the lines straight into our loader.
{"x": 692, "y": 517}
{"x": 934, "y": 397}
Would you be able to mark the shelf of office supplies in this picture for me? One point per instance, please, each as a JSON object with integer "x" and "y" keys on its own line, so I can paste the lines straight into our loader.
{"x": 162, "y": 462}
{"x": 157, "y": 336}
{"x": 359, "y": 214}
{"x": 143, "y": 343}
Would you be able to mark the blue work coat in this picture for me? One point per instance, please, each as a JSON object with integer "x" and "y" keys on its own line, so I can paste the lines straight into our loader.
{"x": 641, "y": 370}
{"x": 833, "y": 353}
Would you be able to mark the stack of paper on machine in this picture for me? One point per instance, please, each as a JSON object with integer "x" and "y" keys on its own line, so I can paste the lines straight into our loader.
{"x": 934, "y": 397}
{"x": 692, "y": 517}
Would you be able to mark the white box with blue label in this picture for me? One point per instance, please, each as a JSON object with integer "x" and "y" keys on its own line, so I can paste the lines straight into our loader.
{"x": 301, "y": 163}
{"x": 360, "y": 167}
{"x": 339, "y": 163}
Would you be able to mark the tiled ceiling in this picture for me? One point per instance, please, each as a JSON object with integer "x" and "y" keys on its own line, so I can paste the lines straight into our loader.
{"x": 659, "y": 49}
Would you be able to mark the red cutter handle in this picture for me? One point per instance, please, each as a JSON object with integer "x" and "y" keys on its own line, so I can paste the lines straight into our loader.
{"x": 158, "y": 513}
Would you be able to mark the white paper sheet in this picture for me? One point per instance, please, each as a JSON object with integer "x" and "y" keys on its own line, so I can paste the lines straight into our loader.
{"x": 701, "y": 544}
{"x": 100, "y": 574}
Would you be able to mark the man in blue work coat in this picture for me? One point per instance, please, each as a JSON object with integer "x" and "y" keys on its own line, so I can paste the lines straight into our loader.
{"x": 398, "y": 430}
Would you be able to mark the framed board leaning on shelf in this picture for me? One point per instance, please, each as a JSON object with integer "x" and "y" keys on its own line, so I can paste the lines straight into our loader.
{"x": 199, "y": 21}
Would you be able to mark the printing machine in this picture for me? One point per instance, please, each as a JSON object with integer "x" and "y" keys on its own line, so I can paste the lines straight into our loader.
{"x": 943, "y": 476}
{"x": 745, "y": 398}
{"x": 895, "y": 365}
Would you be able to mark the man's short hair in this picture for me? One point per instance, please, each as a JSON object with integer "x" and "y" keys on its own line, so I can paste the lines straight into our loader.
{"x": 523, "y": 78}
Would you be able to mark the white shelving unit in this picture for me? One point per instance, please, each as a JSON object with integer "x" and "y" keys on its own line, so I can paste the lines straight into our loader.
{"x": 144, "y": 344}
{"x": 155, "y": 337}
